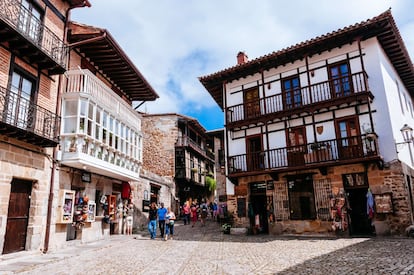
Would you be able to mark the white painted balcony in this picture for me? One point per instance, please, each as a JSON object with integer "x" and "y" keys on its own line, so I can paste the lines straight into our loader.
{"x": 101, "y": 133}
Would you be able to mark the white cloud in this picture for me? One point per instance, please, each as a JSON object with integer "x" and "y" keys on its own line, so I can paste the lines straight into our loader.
{"x": 175, "y": 42}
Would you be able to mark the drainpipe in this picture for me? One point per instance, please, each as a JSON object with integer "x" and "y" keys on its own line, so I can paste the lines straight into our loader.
{"x": 55, "y": 149}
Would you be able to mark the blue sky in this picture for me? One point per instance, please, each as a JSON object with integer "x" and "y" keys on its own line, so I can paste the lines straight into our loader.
{"x": 174, "y": 42}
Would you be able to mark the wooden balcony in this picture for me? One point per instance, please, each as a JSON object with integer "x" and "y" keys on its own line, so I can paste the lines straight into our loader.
{"x": 188, "y": 142}
{"x": 309, "y": 98}
{"x": 324, "y": 153}
{"x": 27, "y": 37}
{"x": 26, "y": 121}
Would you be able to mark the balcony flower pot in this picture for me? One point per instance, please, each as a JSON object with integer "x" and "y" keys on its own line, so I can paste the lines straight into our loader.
{"x": 371, "y": 136}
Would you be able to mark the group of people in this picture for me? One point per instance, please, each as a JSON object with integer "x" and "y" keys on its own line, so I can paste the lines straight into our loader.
{"x": 192, "y": 212}
{"x": 166, "y": 219}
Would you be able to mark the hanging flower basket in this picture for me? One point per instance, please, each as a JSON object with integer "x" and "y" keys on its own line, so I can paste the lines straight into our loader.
{"x": 371, "y": 136}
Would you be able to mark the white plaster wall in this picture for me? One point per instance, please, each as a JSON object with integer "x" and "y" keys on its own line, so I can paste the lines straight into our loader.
{"x": 390, "y": 116}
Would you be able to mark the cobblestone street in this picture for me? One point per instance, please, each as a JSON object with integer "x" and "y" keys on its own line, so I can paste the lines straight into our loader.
{"x": 205, "y": 250}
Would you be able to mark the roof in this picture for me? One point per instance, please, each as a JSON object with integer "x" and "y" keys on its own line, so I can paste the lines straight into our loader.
{"x": 382, "y": 26}
{"x": 182, "y": 118}
{"x": 102, "y": 51}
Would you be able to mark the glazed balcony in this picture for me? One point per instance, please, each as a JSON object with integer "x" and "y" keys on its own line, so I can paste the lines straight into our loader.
{"x": 308, "y": 98}
{"x": 26, "y": 121}
{"x": 112, "y": 148}
{"x": 27, "y": 37}
{"x": 313, "y": 155}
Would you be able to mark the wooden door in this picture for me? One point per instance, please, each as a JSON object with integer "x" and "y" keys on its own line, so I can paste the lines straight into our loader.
{"x": 18, "y": 216}
{"x": 251, "y": 101}
{"x": 255, "y": 155}
{"x": 349, "y": 144}
{"x": 296, "y": 140}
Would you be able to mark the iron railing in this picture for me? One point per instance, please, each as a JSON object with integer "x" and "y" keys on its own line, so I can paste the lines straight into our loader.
{"x": 22, "y": 113}
{"x": 323, "y": 152}
{"x": 308, "y": 95}
{"x": 24, "y": 22}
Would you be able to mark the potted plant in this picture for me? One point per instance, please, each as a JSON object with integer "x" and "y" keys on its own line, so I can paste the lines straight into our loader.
{"x": 211, "y": 183}
{"x": 226, "y": 228}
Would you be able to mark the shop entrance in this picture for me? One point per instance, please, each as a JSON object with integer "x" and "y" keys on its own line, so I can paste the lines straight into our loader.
{"x": 18, "y": 216}
{"x": 359, "y": 222}
{"x": 257, "y": 208}
{"x": 356, "y": 188}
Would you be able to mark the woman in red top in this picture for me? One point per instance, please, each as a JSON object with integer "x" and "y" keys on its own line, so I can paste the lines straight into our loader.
{"x": 194, "y": 216}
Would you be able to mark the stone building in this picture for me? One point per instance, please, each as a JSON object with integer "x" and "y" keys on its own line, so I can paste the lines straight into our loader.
{"x": 177, "y": 147}
{"x": 33, "y": 57}
{"x": 314, "y": 134}
{"x": 216, "y": 138}
{"x": 100, "y": 154}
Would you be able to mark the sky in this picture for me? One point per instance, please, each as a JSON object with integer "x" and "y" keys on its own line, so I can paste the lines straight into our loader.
{"x": 174, "y": 42}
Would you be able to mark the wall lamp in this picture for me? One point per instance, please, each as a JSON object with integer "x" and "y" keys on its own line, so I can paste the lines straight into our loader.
{"x": 407, "y": 133}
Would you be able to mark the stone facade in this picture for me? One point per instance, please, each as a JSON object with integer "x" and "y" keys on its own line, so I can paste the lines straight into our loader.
{"x": 27, "y": 164}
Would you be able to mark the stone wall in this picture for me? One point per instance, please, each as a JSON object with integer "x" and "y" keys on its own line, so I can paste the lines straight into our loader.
{"x": 159, "y": 137}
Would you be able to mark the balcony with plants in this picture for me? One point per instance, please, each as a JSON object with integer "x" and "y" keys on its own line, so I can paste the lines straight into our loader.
{"x": 24, "y": 120}
{"x": 100, "y": 131}
{"x": 311, "y": 155}
{"x": 308, "y": 98}
{"x": 28, "y": 37}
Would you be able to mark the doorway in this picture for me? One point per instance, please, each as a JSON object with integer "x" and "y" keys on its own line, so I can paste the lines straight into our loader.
{"x": 18, "y": 216}
{"x": 360, "y": 223}
{"x": 258, "y": 208}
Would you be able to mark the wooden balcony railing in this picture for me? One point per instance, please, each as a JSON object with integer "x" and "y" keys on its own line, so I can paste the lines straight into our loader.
{"x": 308, "y": 155}
{"x": 314, "y": 94}
{"x": 188, "y": 142}
{"x": 22, "y": 21}
{"x": 24, "y": 120}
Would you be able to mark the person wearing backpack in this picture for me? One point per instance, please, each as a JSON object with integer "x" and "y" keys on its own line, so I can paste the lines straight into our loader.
{"x": 169, "y": 225}
{"x": 204, "y": 213}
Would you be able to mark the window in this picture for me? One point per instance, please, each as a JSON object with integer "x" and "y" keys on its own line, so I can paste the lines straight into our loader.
{"x": 19, "y": 101}
{"x": 30, "y": 20}
{"x": 350, "y": 144}
{"x": 340, "y": 79}
{"x": 291, "y": 92}
{"x": 301, "y": 198}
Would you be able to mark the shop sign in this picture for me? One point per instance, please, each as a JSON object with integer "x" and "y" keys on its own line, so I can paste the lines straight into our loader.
{"x": 146, "y": 205}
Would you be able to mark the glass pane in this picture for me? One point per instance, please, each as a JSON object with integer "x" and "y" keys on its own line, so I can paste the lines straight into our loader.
{"x": 98, "y": 115}
{"x": 70, "y": 108}
{"x": 69, "y": 125}
{"x": 90, "y": 111}
{"x": 83, "y": 107}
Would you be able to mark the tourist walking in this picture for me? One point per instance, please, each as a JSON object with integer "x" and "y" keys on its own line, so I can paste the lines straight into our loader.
{"x": 193, "y": 213}
{"x": 169, "y": 225}
{"x": 204, "y": 213}
{"x": 215, "y": 210}
{"x": 162, "y": 212}
{"x": 129, "y": 219}
{"x": 186, "y": 213}
{"x": 152, "y": 220}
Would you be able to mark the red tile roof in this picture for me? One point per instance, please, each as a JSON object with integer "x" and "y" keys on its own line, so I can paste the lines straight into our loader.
{"x": 382, "y": 26}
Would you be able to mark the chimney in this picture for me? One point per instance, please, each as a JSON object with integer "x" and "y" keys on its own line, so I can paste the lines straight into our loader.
{"x": 241, "y": 58}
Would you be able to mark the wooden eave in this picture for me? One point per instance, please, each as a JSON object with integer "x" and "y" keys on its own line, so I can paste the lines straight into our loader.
{"x": 101, "y": 49}
{"x": 382, "y": 26}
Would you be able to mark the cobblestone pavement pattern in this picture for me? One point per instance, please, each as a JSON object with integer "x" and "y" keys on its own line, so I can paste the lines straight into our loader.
{"x": 205, "y": 250}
